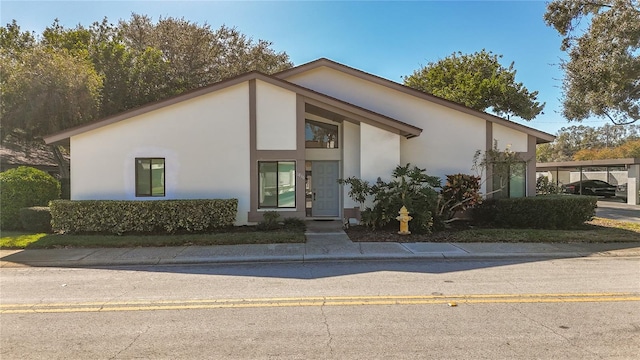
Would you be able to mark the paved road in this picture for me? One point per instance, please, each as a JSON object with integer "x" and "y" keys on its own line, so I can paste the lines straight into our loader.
{"x": 583, "y": 308}
{"x": 617, "y": 210}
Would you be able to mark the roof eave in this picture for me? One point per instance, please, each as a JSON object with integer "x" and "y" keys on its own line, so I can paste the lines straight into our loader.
{"x": 541, "y": 137}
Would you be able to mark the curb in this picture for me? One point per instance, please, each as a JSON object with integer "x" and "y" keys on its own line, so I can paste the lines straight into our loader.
{"x": 306, "y": 258}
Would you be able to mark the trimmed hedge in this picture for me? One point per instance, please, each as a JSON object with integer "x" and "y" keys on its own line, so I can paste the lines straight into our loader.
{"x": 24, "y": 187}
{"x": 542, "y": 212}
{"x": 36, "y": 219}
{"x": 159, "y": 216}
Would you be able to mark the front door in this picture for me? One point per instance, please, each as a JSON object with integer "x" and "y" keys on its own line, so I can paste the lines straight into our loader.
{"x": 325, "y": 189}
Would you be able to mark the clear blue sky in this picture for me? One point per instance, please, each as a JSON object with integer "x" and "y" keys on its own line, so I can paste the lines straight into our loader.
{"x": 388, "y": 39}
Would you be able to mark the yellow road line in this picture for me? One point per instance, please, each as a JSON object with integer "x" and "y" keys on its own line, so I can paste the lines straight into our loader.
{"x": 151, "y": 305}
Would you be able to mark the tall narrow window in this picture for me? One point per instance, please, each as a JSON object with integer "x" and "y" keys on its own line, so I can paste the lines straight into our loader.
{"x": 319, "y": 135}
{"x": 150, "y": 177}
{"x": 515, "y": 185}
{"x": 277, "y": 184}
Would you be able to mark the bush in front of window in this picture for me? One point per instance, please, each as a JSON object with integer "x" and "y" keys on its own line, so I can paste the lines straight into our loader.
{"x": 24, "y": 187}
{"x": 160, "y": 216}
{"x": 542, "y": 212}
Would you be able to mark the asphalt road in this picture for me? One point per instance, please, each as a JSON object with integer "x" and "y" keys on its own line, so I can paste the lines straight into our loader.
{"x": 553, "y": 309}
{"x": 617, "y": 210}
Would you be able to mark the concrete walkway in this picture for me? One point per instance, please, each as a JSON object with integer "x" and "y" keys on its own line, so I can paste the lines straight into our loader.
{"x": 325, "y": 241}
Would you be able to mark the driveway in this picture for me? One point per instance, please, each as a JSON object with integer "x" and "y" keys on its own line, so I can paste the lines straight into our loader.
{"x": 617, "y": 210}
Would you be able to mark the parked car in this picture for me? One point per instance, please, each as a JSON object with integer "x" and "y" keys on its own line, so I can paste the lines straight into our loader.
{"x": 590, "y": 187}
{"x": 621, "y": 191}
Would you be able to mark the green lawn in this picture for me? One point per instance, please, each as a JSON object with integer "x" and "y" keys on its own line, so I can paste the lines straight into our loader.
{"x": 21, "y": 240}
{"x": 597, "y": 230}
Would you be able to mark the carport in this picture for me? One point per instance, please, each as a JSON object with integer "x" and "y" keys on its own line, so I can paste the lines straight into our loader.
{"x": 560, "y": 172}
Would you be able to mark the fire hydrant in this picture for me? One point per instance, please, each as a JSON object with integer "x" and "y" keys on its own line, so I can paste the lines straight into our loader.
{"x": 404, "y": 219}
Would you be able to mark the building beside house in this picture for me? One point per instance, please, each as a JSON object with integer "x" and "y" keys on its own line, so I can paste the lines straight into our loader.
{"x": 280, "y": 142}
{"x": 16, "y": 152}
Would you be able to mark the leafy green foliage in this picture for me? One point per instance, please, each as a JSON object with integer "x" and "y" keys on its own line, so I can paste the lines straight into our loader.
{"x": 24, "y": 187}
{"x": 46, "y": 90}
{"x": 543, "y": 212}
{"x": 410, "y": 187}
{"x": 70, "y": 76}
{"x": 36, "y": 219}
{"x": 478, "y": 81}
{"x": 601, "y": 75}
{"x": 544, "y": 186}
{"x": 161, "y": 216}
{"x": 574, "y": 139}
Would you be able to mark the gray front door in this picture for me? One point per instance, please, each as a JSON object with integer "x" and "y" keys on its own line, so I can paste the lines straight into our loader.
{"x": 325, "y": 187}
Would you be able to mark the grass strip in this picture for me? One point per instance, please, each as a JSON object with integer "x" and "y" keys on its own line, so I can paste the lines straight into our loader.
{"x": 598, "y": 230}
{"x": 16, "y": 240}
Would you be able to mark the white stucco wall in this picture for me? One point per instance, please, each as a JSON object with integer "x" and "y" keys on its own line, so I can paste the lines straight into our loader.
{"x": 449, "y": 139}
{"x": 507, "y": 137}
{"x": 351, "y": 158}
{"x": 275, "y": 117}
{"x": 379, "y": 153}
{"x": 205, "y": 143}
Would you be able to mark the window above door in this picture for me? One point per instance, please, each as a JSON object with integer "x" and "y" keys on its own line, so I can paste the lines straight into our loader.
{"x": 319, "y": 135}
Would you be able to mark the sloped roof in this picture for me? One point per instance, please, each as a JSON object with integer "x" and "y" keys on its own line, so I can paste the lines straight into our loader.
{"x": 313, "y": 97}
{"x": 542, "y": 137}
{"x": 29, "y": 153}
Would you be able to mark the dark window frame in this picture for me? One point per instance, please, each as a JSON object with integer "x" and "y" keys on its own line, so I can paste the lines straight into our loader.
{"x": 137, "y": 176}
{"x": 295, "y": 190}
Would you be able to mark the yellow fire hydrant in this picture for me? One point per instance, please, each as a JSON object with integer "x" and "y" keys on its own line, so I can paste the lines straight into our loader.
{"x": 404, "y": 219}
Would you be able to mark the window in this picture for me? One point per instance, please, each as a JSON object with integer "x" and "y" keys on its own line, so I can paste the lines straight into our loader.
{"x": 319, "y": 135}
{"x": 149, "y": 177}
{"x": 277, "y": 184}
{"x": 513, "y": 187}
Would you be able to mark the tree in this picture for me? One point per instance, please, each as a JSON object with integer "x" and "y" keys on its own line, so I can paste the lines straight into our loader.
{"x": 44, "y": 91}
{"x": 67, "y": 77}
{"x": 478, "y": 81}
{"x": 602, "y": 72}
{"x": 630, "y": 149}
{"x": 573, "y": 139}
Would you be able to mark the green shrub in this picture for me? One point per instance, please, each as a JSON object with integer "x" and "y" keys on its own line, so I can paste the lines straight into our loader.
{"x": 36, "y": 219}
{"x": 485, "y": 212}
{"x": 269, "y": 221}
{"x": 544, "y": 212}
{"x": 157, "y": 216}
{"x": 546, "y": 187}
{"x": 24, "y": 187}
{"x": 410, "y": 187}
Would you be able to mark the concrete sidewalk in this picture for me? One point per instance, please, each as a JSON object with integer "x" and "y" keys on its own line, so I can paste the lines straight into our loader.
{"x": 325, "y": 241}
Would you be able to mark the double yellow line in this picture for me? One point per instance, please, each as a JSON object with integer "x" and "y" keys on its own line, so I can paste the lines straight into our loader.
{"x": 151, "y": 305}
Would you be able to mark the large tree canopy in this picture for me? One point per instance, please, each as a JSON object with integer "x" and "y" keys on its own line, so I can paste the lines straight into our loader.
{"x": 603, "y": 69}
{"x": 69, "y": 76}
{"x": 478, "y": 81}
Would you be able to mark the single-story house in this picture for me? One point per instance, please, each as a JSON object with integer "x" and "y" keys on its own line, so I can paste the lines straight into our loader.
{"x": 280, "y": 142}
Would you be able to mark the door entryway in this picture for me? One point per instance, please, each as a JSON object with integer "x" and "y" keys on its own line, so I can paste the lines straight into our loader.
{"x": 323, "y": 190}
